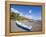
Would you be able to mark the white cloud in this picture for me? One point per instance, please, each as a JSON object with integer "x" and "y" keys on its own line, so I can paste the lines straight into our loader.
{"x": 36, "y": 18}
{"x": 28, "y": 16}
{"x": 30, "y": 11}
{"x": 14, "y": 10}
{"x": 21, "y": 14}
{"x": 32, "y": 17}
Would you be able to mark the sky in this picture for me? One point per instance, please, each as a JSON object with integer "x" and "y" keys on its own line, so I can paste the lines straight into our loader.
{"x": 28, "y": 11}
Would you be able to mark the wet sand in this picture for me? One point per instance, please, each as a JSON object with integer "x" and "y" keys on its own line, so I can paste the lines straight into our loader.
{"x": 36, "y": 25}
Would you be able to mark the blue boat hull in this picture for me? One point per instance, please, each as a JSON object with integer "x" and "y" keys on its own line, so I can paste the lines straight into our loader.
{"x": 23, "y": 27}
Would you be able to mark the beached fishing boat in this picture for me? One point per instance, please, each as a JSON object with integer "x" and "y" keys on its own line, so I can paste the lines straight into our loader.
{"x": 23, "y": 26}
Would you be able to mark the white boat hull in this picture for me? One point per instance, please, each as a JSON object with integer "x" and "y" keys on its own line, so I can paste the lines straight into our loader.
{"x": 23, "y": 26}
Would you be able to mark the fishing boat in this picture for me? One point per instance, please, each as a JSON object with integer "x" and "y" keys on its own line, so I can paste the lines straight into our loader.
{"x": 23, "y": 26}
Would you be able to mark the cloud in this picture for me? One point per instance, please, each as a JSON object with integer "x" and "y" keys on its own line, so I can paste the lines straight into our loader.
{"x": 14, "y": 10}
{"x": 30, "y": 11}
{"x": 28, "y": 16}
{"x": 21, "y": 14}
{"x": 32, "y": 17}
{"x": 36, "y": 18}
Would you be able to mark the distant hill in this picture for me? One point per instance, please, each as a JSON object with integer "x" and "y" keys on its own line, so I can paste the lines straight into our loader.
{"x": 16, "y": 16}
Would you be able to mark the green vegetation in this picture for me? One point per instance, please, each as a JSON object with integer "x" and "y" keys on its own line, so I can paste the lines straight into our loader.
{"x": 15, "y": 16}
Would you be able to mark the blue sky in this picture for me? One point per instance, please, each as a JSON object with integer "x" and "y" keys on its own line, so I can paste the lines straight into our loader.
{"x": 31, "y": 12}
